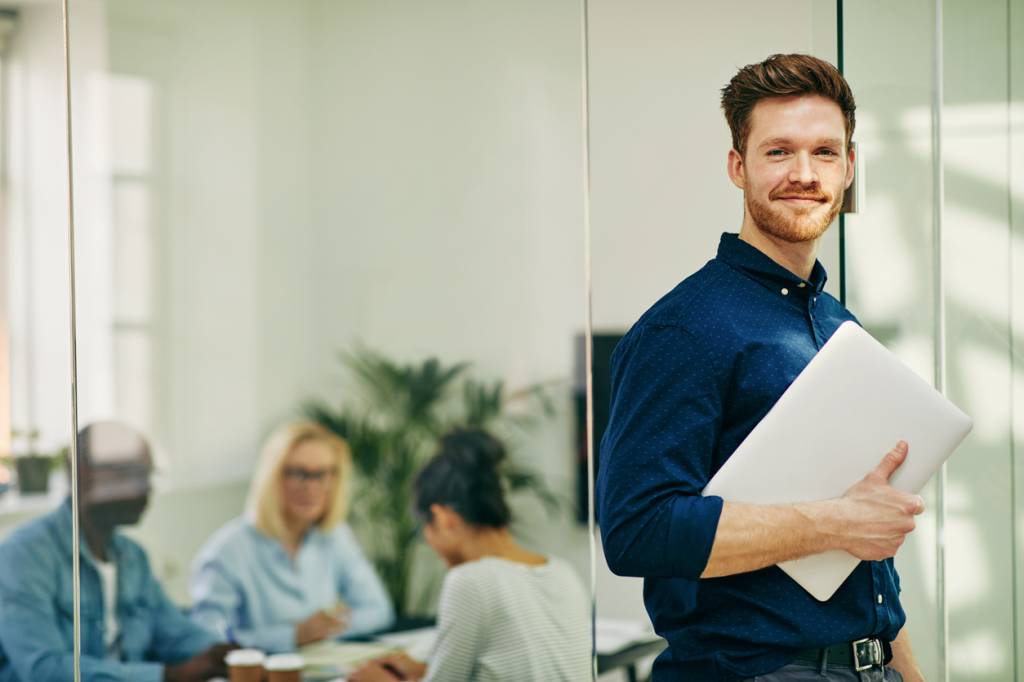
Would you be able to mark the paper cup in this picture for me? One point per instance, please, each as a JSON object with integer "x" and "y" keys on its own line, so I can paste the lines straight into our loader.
{"x": 245, "y": 665}
{"x": 284, "y": 668}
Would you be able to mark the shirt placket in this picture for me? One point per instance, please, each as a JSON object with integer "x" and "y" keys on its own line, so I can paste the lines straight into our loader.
{"x": 819, "y": 334}
{"x": 878, "y": 598}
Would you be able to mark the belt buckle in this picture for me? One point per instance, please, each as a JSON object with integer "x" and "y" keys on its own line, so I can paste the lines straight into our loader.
{"x": 872, "y": 652}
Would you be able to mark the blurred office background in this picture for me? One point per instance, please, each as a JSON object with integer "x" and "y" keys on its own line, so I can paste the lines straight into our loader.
{"x": 261, "y": 186}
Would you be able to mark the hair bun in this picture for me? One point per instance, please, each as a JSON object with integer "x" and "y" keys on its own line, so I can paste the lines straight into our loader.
{"x": 464, "y": 475}
{"x": 474, "y": 448}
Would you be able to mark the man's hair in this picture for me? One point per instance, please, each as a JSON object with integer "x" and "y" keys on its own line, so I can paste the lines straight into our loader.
{"x": 783, "y": 75}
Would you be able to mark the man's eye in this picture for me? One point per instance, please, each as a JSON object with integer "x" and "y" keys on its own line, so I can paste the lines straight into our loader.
{"x": 776, "y": 152}
{"x": 828, "y": 152}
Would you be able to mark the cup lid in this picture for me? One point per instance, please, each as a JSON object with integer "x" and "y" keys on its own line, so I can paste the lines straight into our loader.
{"x": 284, "y": 662}
{"x": 244, "y": 657}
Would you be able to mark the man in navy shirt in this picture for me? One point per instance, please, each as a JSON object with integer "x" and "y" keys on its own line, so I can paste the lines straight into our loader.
{"x": 694, "y": 376}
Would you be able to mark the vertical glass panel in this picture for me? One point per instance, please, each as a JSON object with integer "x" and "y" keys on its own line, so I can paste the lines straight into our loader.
{"x": 35, "y": 370}
{"x": 311, "y": 220}
{"x": 889, "y": 242}
{"x": 1016, "y": 51}
{"x": 980, "y": 286}
{"x": 977, "y": 242}
{"x": 661, "y": 197}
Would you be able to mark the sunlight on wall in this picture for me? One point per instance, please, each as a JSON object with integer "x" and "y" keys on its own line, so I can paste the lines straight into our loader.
{"x": 967, "y": 558}
{"x": 978, "y": 653}
{"x": 984, "y": 126}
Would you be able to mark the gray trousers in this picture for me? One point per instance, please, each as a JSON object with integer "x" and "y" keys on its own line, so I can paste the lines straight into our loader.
{"x": 806, "y": 672}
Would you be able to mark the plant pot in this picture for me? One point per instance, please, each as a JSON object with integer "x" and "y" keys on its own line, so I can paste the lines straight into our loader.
{"x": 33, "y": 474}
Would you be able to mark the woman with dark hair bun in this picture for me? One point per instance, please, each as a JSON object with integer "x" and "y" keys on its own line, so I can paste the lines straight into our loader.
{"x": 506, "y": 614}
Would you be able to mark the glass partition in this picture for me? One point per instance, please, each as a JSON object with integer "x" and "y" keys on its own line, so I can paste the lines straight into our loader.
{"x": 890, "y": 244}
{"x": 35, "y": 350}
{"x": 661, "y": 196}
{"x": 934, "y": 269}
{"x": 362, "y": 220}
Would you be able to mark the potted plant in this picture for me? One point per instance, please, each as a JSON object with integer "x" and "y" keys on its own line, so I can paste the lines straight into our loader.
{"x": 398, "y": 413}
{"x": 33, "y": 467}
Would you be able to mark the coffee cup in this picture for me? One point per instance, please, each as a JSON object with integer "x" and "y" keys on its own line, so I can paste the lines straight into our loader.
{"x": 284, "y": 668}
{"x": 245, "y": 665}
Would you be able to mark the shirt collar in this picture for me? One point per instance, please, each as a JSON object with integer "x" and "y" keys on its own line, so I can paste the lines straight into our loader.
{"x": 312, "y": 535}
{"x": 739, "y": 254}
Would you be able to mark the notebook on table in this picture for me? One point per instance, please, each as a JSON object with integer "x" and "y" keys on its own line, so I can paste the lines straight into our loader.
{"x": 851, "y": 404}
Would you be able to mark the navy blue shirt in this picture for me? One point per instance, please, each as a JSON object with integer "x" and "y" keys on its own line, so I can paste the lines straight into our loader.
{"x": 690, "y": 380}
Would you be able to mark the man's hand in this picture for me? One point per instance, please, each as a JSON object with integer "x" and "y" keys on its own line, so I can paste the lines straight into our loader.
{"x": 870, "y": 521}
{"x": 201, "y": 667}
{"x": 373, "y": 672}
{"x": 876, "y": 516}
{"x": 320, "y": 626}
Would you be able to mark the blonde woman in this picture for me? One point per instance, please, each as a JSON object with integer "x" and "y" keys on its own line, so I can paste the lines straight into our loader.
{"x": 290, "y": 572}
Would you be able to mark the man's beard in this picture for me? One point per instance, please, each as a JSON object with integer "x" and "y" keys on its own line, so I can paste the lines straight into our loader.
{"x": 790, "y": 226}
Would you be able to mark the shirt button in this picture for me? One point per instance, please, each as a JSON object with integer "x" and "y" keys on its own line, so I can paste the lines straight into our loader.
{"x": 801, "y": 285}
{"x": 881, "y": 599}
{"x": 785, "y": 291}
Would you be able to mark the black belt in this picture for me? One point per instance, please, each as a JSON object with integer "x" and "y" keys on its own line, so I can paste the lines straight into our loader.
{"x": 860, "y": 655}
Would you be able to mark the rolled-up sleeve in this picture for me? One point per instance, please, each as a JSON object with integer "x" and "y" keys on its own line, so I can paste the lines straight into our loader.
{"x": 656, "y": 455}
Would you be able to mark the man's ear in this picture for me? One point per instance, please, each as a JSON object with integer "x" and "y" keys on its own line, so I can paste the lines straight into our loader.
{"x": 736, "y": 169}
{"x": 851, "y": 165}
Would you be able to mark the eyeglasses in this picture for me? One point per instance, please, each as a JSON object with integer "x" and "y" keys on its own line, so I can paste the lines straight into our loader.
{"x": 299, "y": 475}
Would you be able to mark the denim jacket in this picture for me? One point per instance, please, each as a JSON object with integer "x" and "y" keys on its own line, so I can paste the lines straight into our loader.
{"x": 36, "y": 615}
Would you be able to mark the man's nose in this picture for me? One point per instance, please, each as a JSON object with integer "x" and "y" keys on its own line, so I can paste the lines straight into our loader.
{"x": 802, "y": 172}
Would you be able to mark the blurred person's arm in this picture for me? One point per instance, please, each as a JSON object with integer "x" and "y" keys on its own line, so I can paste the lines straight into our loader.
{"x": 30, "y": 633}
{"x": 374, "y": 671}
{"x": 406, "y": 667}
{"x": 216, "y": 602}
{"x": 370, "y": 608}
{"x": 175, "y": 637}
{"x": 462, "y": 623}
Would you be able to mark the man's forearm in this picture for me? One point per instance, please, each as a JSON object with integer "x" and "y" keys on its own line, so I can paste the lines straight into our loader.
{"x": 903, "y": 660}
{"x": 750, "y": 537}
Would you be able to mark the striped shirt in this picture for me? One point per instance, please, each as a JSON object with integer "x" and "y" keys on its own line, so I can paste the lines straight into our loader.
{"x": 504, "y": 621}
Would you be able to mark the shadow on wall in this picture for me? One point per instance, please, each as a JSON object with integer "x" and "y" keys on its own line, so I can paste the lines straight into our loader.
{"x": 893, "y": 281}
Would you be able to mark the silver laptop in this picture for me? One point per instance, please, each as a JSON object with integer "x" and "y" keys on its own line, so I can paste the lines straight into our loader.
{"x": 850, "y": 406}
